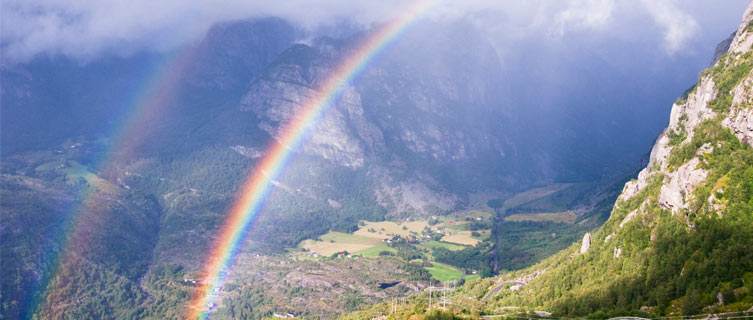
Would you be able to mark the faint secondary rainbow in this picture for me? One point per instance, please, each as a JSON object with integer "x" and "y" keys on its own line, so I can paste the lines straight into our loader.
{"x": 258, "y": 185}
{"x": 142, "y": 106}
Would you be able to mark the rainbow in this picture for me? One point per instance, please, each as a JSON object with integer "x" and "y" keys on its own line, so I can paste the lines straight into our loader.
{"x": 255, "y": 190}
{"x": 142, "y": 106}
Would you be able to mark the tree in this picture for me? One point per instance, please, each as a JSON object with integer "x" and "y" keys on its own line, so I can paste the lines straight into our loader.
{"x": 691, "y": 305}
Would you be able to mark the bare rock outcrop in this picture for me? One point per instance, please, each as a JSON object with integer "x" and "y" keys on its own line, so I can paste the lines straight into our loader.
{"x": 634, "y": 186}
{"x": 686, "y": 115}
{"x": 412, "y": 196}
{"x": 684, "y": 118}
{"x": 680, "y": 182}
{"x": 740, "y": 120}
{"x": 677, "y": 193}
{"x": 586, "y": 244}
{"x": 277, "y": 101}
{"x": 743, "y": 39}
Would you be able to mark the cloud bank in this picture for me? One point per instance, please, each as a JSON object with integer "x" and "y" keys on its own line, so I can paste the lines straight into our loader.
{"x": 678, "y": 27}
{"x": 87, "y": 28}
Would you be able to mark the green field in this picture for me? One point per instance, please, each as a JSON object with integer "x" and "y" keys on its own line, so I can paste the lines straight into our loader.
{"x": 472, "y": 277}
{"x": 386, "y": 229}
{"x": 443, "y": 272}
{"x": 368, "y": 239}
{"x": 75, "y": 171}
{"x": 337, "y": 241}
{"x": 49, "y": 165}
{"x": 466, "y": 237}
{"x": 446, "y": 245}
{"x": 375, "y": 250}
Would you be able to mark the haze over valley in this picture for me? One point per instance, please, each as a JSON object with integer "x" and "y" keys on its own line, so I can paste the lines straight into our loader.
{"x": 401, "y": 160}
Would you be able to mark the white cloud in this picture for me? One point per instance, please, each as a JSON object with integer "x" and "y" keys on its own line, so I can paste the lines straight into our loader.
{"x": 86, "y": 28}
{"x": 583, "y": 14}
{"x": 678, "y": 26}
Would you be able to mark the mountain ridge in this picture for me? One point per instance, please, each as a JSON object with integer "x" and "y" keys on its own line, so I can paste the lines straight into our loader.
{"x": 425, "y": 126}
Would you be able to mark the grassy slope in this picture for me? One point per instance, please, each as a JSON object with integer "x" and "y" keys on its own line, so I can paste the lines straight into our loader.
{"x": 446, "y": 245}
{"x": 443, "y": 272}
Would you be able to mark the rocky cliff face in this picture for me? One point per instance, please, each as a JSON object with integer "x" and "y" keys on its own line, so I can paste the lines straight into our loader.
{"x": 341, "y": 136}
{"x": 403, "y": 127}
{"x": 687, "y": 115}
{"x": 679, "y": 235}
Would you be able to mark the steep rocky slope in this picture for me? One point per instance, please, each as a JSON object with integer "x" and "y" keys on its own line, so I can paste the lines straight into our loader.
{"x": 680, "y": 236}
{"x": 679, "y": 240}
{"x": 405, "y": 128}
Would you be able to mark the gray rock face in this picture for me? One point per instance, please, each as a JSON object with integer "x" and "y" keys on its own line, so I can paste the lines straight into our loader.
{"x": 633, "y": 187}
{"x": 586, "y": 243}
{"x": 679, "y": 184}
{"x": 412, "y": 196}
{"x": 743, "y": 40}
{"x": 678, "y": 192}
{"x": 741, "y": 119}
{"x": 617, "y": 252}
{"x": 400, "y": 127}
{"x": 742, "y": 125}
{"x": 288, "y": 89}
{"x": 683, "y": 119}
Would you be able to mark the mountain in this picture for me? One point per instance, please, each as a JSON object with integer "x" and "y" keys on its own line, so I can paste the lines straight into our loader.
{"x": 426, "y": 130}
{"x": 678, "y": 240}
{"x": 52, "y": 98}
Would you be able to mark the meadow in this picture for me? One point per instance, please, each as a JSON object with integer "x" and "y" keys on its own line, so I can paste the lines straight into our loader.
{"x": 455, "y": 232}
{"x": 444, "y": 272}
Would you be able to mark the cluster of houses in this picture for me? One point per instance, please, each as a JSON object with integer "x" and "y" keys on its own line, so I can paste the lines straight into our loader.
{"x": 397, "y": 238}
{"x": 442, "y": 230}
{"x": 344, "y": 255}
{"x": 311, "y": 253}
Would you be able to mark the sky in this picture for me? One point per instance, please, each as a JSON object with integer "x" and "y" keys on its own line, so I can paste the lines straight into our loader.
{"x": 598, "y": 71}
{"x": 86, "y": 29}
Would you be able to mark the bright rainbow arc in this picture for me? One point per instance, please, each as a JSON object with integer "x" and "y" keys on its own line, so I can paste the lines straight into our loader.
{"x": 258, "y": 185}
